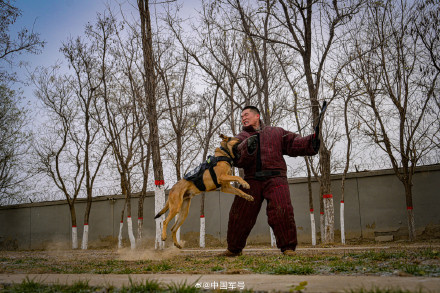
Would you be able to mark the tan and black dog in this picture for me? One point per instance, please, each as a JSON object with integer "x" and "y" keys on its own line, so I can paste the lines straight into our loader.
{"x": 183, "y": 191}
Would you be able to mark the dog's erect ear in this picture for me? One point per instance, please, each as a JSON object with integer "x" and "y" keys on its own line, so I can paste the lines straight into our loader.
{"x": 224, "y": 137}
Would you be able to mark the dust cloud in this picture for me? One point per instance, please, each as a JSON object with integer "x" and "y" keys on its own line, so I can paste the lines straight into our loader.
{"x": 147, "y": 254}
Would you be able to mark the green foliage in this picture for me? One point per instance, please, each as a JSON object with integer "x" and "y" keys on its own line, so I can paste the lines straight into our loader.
{"x": 217, "y": 268}
{"x": 300, "y": 287}
{"x": 183, "y": 287}
{"x": 293, "y": 270}
{"x": 382, "y": 290}
{"x": 147, "y": 286}
{"x": 31, "y": 286}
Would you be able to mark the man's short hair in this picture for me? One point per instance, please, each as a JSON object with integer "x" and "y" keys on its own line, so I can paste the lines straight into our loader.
{"x": 252, "y": 108}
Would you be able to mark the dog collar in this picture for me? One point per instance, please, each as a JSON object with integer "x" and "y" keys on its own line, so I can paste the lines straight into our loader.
{"x": 226, "y": 151}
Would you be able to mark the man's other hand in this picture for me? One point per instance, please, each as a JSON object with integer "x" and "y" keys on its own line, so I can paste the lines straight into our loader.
{"x": 252, "y": 143}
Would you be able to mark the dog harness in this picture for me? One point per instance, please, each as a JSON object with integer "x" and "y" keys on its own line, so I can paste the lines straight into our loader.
{"x": 196, "y": 175}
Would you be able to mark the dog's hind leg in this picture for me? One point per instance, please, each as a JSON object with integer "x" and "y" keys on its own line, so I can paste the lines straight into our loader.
{"x": 183, "y": 213}
{"x": 175, "y": 199}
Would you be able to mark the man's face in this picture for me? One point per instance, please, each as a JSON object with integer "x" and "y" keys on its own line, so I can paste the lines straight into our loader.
{"x": 250, "y": 118}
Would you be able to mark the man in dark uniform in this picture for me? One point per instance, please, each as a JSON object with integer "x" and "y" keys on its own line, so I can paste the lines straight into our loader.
{"x": 262, "y": 149}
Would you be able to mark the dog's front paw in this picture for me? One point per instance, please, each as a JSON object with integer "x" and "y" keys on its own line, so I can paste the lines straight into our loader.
{"x": 245, "y": 185}
{"x": 249, "y": 197}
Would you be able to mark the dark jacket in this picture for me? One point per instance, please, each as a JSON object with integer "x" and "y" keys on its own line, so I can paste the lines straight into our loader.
{"x": 274, "y": 143}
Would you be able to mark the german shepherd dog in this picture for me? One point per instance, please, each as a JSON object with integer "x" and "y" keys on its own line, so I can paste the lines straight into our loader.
{"x": 183, "y": 191}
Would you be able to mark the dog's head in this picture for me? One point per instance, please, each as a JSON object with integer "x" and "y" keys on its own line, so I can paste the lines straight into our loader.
{"x": 230, "y": 144}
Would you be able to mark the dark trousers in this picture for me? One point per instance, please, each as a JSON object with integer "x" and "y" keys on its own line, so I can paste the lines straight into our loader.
{"x": 243, "y": 214}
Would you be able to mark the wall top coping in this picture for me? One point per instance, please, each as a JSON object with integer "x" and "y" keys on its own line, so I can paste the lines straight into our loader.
{"x": 366, "y": 173}
{"x": 361, "y": 174}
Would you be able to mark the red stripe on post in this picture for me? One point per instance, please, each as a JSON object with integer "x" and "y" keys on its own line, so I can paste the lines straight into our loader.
{"x": 409, "y": 208}
{"x": 327, "y": 196}
{"x": 311, "y": 210}
{"x": 140, "y": 218}
{"x": 159, "y": 182}
{"x": 321, "y": 213}
{"x": 74, "y": 226}
{"x": 342, "y": 201}
{"x": 86, "y": 224}
{"x": 128, "y": 217}
{"x": 202, "y": 216}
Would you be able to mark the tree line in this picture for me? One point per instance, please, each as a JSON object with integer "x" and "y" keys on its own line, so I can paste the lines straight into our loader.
{"x": 158, "y": 89}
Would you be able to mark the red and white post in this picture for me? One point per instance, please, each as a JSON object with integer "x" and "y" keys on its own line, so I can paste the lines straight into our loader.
{"x": 121, "y": 225}
{"x": 342, "y": 222}
{"x": 273, "y": 241}
{"x": 159, "y": 204}
{"x": 202, "y": 231}
{"x": 313, "y": 227}
{"x": 85, "y": 240}
{"x": 130, "y": 233}
{"x": 74, "y": 237}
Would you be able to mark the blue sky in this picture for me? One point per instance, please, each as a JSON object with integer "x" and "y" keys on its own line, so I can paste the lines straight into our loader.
{"x": 58, "y": 20}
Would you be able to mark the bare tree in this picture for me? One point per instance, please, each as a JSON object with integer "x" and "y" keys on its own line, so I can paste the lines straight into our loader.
{"x": 150, "y": 84}
{"x": 129, "y": 80}
{"x": 26, "y": 40}
{"x": 119, "y": 125}
{"x": 181, "y": 113}
{"x": 60, "y": 152}
{"x": 85, "y": 82}
{"x": 15, "y": 140}
{"x": 399, "y": 96}
{"x": 312, "y": 16}
{"x": 285, "y": 61}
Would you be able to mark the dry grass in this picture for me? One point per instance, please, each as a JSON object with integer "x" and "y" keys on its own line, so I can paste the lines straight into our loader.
{"x": 401, "y": 260}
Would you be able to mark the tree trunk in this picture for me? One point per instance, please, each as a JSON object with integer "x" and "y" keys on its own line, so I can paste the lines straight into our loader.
{"x": 176, "y": 219}
{"x": 85, "y": 240}
{"x": 342, "y": 222}
{"x": 130, "y": 233}
{"x": 121, "y": 225}
{"x": 321, "y": 219}
{"x": 202, "y": 231}
{"x": 74, "y": 227}
{"x": 329, "y": 219}
{"x": 140, "y": 228}
{"x": 313, "y": 227}
{"x": 150, "y": 93}
{"x": 129, "y": 222}
{"x": 410, "y": 211}
{"x": 273, "y": 240}
{"x": 312, "y": 215}
{"x": 159, "y": 203}
{"x": 143, "y": 192}
{"x": 202, "y": 220}
{"x": 327, "y": 197}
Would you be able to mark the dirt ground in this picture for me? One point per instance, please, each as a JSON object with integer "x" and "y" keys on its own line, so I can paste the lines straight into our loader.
{"x": 59, "y": 267}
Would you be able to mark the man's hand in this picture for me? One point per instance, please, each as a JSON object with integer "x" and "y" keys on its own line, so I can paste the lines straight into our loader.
{"x": 252, "y": 143}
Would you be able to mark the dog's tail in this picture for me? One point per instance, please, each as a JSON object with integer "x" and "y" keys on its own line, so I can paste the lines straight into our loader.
{"x": 163, "y": 211}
